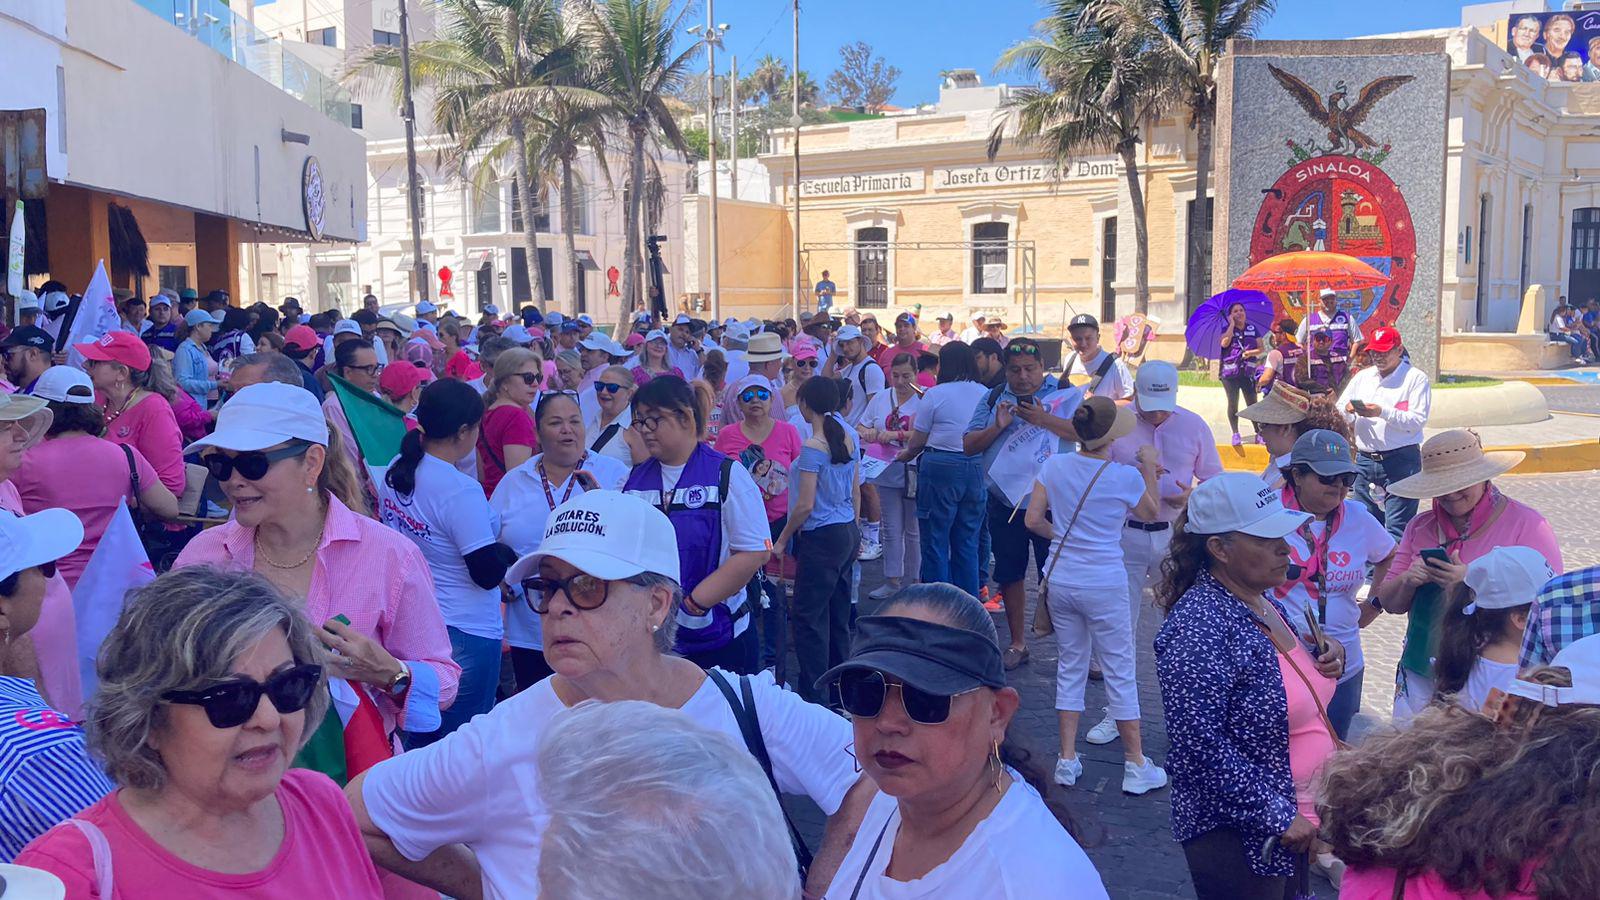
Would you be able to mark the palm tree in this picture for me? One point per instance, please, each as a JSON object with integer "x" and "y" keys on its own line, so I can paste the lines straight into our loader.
{"x": 766, "y": 81}
{"x": 810, "y": 93}
{"x": 1100, "y": 84}
{"x": 497, "y": 65}
{"x": 1194, "y": 33}
{"x": 634, "y": 65}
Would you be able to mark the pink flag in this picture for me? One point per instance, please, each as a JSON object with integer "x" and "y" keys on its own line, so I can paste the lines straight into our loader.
{"x": 117, "y": 566}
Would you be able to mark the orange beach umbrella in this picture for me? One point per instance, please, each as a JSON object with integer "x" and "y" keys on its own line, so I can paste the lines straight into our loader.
{"x": 1310, "y": 271}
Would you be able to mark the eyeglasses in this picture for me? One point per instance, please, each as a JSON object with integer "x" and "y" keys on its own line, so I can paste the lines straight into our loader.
{"x": 863, "y": 693}
{"x": 372, "y": 369}
{"x": 602, "y": 387}
{"x": 1343, "y": 479}
{"x": 583, "y": 590}
{"x": 252, "y": 464}
{"x": 807, "y": 363}
{"x": 530, "y": 378}
{"x": 648, "y": 424}
{"x": 229, "y": 704}
{"x": 754, "y": 393}
{"x": 565, "y": 391}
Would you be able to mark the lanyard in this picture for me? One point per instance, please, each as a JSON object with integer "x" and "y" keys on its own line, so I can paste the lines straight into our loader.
{"x": 867, "y": 866}
{"x": 572, "y": 482}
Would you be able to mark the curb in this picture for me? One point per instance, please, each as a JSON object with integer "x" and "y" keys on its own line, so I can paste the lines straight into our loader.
{"x": 1549, "y": 459}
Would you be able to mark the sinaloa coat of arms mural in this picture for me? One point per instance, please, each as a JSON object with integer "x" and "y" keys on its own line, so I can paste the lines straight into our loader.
{"x": 1335, "y": 196}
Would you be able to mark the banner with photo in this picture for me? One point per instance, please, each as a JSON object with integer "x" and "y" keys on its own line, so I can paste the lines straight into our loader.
{"x": 1557, "y": 46}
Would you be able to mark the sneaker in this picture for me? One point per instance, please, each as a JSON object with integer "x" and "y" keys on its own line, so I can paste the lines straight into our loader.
{"x": 883, "y": 591}
{"x": 1104, "y": 731}
{"x": 870, "y": 550}
{"x": 991, "y": 602}
{"x": 1236, "y": 439}
{"x": 1068, "y": 771}
{"x": 1141, "y": 779}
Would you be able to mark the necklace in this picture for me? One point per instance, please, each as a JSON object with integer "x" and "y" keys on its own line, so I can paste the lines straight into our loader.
{"x": 303, "y": 560}
{"x": 126, "y": 402}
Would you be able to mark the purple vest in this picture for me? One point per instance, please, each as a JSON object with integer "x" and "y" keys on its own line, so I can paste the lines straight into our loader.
{"x": 1339, "y": 326}
{"x": 1291, "y": 363}
{"x": 695, "y": 511}
{"x": 1233, "y": 361}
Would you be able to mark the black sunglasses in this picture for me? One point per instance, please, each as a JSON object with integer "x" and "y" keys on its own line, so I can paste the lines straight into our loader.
{"x": 754, "y": 393}
{"x": 231, "y": 703}
{"x": 252, "y": 464}
{"x": 604, "y": 387}
{"x": 530, "y": 378}
{"x": 863, "y": 692}
{"x": 1346, "y": 479}
{"x": 583, "y": 590}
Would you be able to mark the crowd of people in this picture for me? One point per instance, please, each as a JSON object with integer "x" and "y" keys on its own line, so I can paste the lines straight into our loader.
{"x": 574, "y": 624}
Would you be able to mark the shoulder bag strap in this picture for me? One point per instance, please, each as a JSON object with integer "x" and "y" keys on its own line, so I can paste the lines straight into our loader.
{"x": 1072, "y": 521}
{"x": 133, "y": 476}
{"x": 605, "y": 437}
{"x": 744, "y": 713}
{"x": 101, "y": 850}
{"x": 1321, "y": 710}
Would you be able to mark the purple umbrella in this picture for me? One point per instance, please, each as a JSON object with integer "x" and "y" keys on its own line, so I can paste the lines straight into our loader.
{"x": 1209, "y": 323}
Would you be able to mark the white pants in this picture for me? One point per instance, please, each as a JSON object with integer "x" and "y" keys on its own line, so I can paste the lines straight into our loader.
{"x": 1142, "y": 553}
{"x": 902, "y": 539}
{"x": 1411, "y": 698}
{"x": 1093, "y": 617}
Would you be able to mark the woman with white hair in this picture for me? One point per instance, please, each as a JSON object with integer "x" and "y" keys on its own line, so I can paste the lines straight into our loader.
{"x": 467, "y": 815}
{"x": 210, "y": 683}
{"x": 607, "y": 770}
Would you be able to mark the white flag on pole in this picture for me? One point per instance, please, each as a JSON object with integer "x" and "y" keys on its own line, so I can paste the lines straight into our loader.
{"x": 14, "y": 260}
{"x": 117, "y": 566}
{"x": 97, "y": 315}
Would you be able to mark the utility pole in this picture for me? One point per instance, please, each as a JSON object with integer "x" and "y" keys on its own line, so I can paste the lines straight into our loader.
{"x": 794, "y": 121}
{"x": 733, "y": 127}
{"x": 712, "y": 38}
{"x": 408, "y": 113}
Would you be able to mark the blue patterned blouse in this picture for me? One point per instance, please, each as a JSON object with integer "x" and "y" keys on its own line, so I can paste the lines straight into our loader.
{"x": 1228, "y": 722}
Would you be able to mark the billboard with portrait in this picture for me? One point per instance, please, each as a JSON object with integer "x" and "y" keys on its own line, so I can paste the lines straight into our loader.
{"x": 1557, "y": 46}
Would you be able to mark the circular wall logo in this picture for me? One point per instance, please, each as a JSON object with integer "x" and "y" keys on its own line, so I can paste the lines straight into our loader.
{"x": 312, "y": 197}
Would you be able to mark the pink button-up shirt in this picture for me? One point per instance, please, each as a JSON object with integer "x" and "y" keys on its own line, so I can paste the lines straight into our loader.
{"x": 373, "y": 575}
{"x": 1187, "y": 449}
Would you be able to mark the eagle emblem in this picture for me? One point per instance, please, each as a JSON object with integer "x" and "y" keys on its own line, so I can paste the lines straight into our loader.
{"x": 1340, "y": 117}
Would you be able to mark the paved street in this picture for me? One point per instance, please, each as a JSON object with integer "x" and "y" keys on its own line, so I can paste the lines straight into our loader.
{"x": 1128, "y": 837}
{"x": 1575, "y": 398}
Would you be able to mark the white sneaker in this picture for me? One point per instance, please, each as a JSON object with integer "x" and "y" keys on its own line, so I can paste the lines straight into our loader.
{"x": 1068, "y": 771}
{"x": 1143, "y": 779}
{"x": 883, "y": 591}
{"x": 1104, "y": 732}
{"x": 870, "y": 551}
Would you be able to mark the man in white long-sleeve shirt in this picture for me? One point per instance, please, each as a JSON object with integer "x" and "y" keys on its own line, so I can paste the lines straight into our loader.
{"x": 1387, "y": 404}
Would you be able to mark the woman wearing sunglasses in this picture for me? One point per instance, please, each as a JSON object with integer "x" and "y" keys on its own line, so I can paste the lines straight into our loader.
{"x": 604, "y": 583}
{"x": 566, "y": 468}
{"x": 291, "y": 525}
{"x": 509, "y": 390}
{"x": 805, "y": 364}
{"x": 959, "y": 812}
{"x": 653, "y": 359}
{"x": 607, "y": 426}
{"x": 210, "y": 683}
{"x": 77, "y": 469}
{"x": 886, "y": 428}
{"x": 51, "y": 775}
{"x": 1332, "y": 553}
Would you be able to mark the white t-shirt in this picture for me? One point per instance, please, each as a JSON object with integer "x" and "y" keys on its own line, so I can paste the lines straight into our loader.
{"x": 479, "y": 786}
{"x": 1092, "y": 556}
{"x": 616, "y": 446}
{"x": 447, "y": 517}
{"x": 1485, "y": 674}
{"x": 1118, "y": 383}
{"x": 520, "y": 502}
{"x": 1359, "y": 542}
{"x": 945, "y": 412}
{"x": 744, "y": 528}
{"x": 865, "y": 372}
{"x": 1019, "y": 852}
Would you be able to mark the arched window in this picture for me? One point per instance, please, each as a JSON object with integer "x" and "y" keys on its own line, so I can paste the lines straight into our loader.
{"x": 485, "y": 203}
{"x": 541, "y": 212}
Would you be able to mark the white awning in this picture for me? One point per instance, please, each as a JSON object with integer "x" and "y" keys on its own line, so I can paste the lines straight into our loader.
{"x": 586, "y": 260}
{"x": 403, "y": 263}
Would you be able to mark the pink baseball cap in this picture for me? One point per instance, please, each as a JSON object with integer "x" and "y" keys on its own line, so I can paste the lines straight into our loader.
{"x": 118, "y": 347}
{"x": 302, "y": 337}
{"x": 633, "y": 340}
{"x": 804, "y": 350}
{"x": 400, "y": 379}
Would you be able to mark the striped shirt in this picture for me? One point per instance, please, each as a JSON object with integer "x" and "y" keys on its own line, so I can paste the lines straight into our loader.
{"x": 46, "y": 775}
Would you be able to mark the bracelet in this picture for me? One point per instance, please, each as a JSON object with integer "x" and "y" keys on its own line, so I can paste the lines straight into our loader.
{"x": 693, "y": 607}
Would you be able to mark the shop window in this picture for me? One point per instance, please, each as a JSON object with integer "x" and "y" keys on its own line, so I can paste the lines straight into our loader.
{"x": 381, "y": 38}
{"x": 174, "y": 277}
{"x": 989, "y": 253}
{"x": 334, "y": 286}
{"x": 325, "y": 37}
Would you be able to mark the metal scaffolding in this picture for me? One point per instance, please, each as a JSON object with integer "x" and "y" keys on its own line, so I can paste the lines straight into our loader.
{"x": 1027, "y": 268}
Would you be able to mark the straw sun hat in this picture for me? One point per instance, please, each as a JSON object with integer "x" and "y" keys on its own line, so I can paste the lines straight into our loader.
{"x": 1451, "y": 461}
{"x": 1285, "y": 405}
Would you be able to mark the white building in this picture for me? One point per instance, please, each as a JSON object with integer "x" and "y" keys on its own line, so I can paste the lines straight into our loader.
{"x": 477, "y": 235}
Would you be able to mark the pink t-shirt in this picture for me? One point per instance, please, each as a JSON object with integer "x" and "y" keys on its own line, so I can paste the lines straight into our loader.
{"x": 1187, "y": 449}
{"x": 87, "y": 475}
{"x": 151, "y": 427}
{"x": 1310, "y": 742}
{"x": 322, "y": 854}
{"x": 884, "y": 356}
{"x": 501, "y": 426}
{"x": 1519, "y": 525}
{"x": 55, "y": 635}
{"x": 782, "y": 448}
{"x": 1378, "y": 884}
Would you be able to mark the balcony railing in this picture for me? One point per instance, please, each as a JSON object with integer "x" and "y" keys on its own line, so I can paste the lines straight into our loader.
{"x": 213, "y": 24}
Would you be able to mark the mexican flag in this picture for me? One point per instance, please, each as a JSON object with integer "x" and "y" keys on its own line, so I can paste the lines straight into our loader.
{"x": 378, "y": 426}
{"x": 350, "y": 739}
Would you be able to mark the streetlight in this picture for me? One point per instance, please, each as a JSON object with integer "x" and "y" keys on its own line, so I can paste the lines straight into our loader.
{"x": 711, "y": 35}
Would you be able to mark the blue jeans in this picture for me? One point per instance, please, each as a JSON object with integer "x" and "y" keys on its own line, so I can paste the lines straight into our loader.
{"x": 1574, "y": 342}
{"x": 1345, "y": 704}
{"x": 479, "y": 658}
{"x": 1391, "y": 467}
{"x": 950, "y": 514}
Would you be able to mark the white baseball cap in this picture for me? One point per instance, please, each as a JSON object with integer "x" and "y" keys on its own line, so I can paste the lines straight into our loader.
{"x": 491, "y": 309}
{"x": 607, "y": 534}
{"x": 1327, "y": 292}
{"x": 425, "y": 307}
{"x": 347, "y": 326}
{"x": 1239, "y": 501}
{"x": 263, "y": 415}
{"x": 1582, "y": 659}
{"x": 586, "y": 319}
{"x": 65, "y": 384}
{"x": 656, "y": 334}
{"x": 1156, "y": 386}
{"x": 28, "y": 541}
{"x": 27, "y": 299}
{"x": 682, "y": 319}
{"x": 849, "y": 333}
{"x": 598, "y": 341}
{"x": 517, "y": 334}
{"x": 1506, "y": 577}
{"x": 55, "y": 301}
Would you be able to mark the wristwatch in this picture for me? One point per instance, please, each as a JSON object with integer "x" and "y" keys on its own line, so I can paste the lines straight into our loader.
{"x": 400, "y": 683}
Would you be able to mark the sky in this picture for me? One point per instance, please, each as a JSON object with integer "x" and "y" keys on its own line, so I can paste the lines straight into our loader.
{"x": 925, "y": 37}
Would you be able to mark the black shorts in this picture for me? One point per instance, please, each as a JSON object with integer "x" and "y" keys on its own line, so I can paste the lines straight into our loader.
{"x": 1010, "y": 540}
